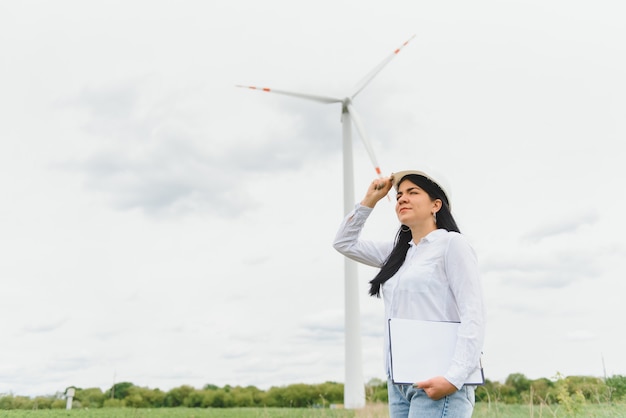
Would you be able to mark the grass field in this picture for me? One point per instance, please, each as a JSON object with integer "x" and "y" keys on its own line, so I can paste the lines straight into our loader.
{"x": 482, "y": 410}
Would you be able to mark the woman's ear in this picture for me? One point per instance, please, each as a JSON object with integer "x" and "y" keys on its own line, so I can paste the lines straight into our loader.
{"x": 437, "y": 205}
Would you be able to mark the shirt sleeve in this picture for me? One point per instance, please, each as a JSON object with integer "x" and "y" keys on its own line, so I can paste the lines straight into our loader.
{"x": 462, "y": 271}
{"x": 347, "y": 240}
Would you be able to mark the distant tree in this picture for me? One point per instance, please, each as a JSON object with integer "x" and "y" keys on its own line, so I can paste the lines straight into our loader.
{"x": 142, "y": 397}
{"x": 119, "y": 390}
{"x": 42, "y": 402}
{"x": 217, "y": 399}
{"x": 22, "y": 402}
{"x": 617, "y": 387}
{"x": 154, "y": 397}
{"x": 58, "y": 404}
{"x": 569, "y": 394}
{"x": 248, "y": 396}
{"x": 376, "y": 391}
{"x": 194, "y": 399}
{"x": 113, "y": 403}
{"x": 90, "y": 397}
{"x": 508, "y": 394}
{"x": 542, "y": 391}
{"x": 178, "y": 396}
{"x": 295, "y": 396}
{"x": 487, "y": 392}
{"x": 569, "y": 397}
{"x": 6, "y": 402}
{"x": 592, "y": 388}
{"x": 519, "y": 382}
{"x": 328, "y": 393}
{"x": 274, "y": 397}
{"x": 303, "y": 395}
{"x": 292, "y": 396}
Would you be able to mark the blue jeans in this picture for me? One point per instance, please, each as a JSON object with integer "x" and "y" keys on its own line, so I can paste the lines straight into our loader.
{"x": 405, "y": 401}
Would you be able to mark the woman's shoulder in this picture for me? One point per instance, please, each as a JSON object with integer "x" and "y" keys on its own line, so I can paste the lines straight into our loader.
{"x": 456, "y": 240}
{"x": 451, "y": 235}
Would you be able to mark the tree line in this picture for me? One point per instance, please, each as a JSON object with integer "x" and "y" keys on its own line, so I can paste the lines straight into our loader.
{"x": 570, "y": 392}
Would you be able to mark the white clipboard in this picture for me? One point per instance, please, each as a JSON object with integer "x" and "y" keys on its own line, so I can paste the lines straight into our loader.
{"x": 421, "y": 350}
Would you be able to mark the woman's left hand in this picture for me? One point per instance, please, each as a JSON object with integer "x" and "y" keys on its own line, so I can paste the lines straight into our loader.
{"x": 377, "y": 190}
{"x": 437, "y": 387}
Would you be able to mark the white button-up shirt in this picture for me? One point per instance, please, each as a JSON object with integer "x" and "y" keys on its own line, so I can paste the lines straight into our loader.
{"x": 439, "y": 281}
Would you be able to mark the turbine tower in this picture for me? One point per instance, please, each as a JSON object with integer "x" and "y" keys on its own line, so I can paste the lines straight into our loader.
{"x": 354, "y": 386}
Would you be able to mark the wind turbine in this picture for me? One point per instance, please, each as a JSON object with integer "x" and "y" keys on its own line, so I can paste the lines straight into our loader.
{"x": 354, "y": 386}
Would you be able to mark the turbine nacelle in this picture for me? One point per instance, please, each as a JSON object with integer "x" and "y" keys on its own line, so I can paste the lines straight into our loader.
{"x": 344, "y": 104}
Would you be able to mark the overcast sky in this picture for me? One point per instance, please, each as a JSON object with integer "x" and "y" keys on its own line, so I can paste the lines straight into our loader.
{"x": 160, "y": 226}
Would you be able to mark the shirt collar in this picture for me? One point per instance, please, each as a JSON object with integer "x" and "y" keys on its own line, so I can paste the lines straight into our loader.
{"x": 431, "y": 236}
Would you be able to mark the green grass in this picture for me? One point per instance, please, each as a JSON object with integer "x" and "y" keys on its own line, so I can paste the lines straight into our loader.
{"x": 482, "y": 410}
{"x": 181, "y": 413}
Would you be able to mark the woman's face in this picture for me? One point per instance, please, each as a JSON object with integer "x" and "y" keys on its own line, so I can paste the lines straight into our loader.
{"x": 413, "y": 204}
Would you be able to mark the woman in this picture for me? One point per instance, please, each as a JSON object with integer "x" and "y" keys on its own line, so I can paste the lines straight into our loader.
{"x": 429, "y": 273}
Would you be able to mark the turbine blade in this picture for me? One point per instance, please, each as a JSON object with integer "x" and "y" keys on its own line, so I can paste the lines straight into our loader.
{"x": 323, "y": 99}
{"x": 365, "y": 81}
{"x": 356, "y": 119}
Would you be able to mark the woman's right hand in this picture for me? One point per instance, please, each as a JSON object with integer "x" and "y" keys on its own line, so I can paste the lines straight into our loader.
{"x": 377, "y": 190}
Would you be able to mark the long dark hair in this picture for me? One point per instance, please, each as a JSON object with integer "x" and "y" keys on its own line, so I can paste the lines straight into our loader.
{"x": 445, "y": 220}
